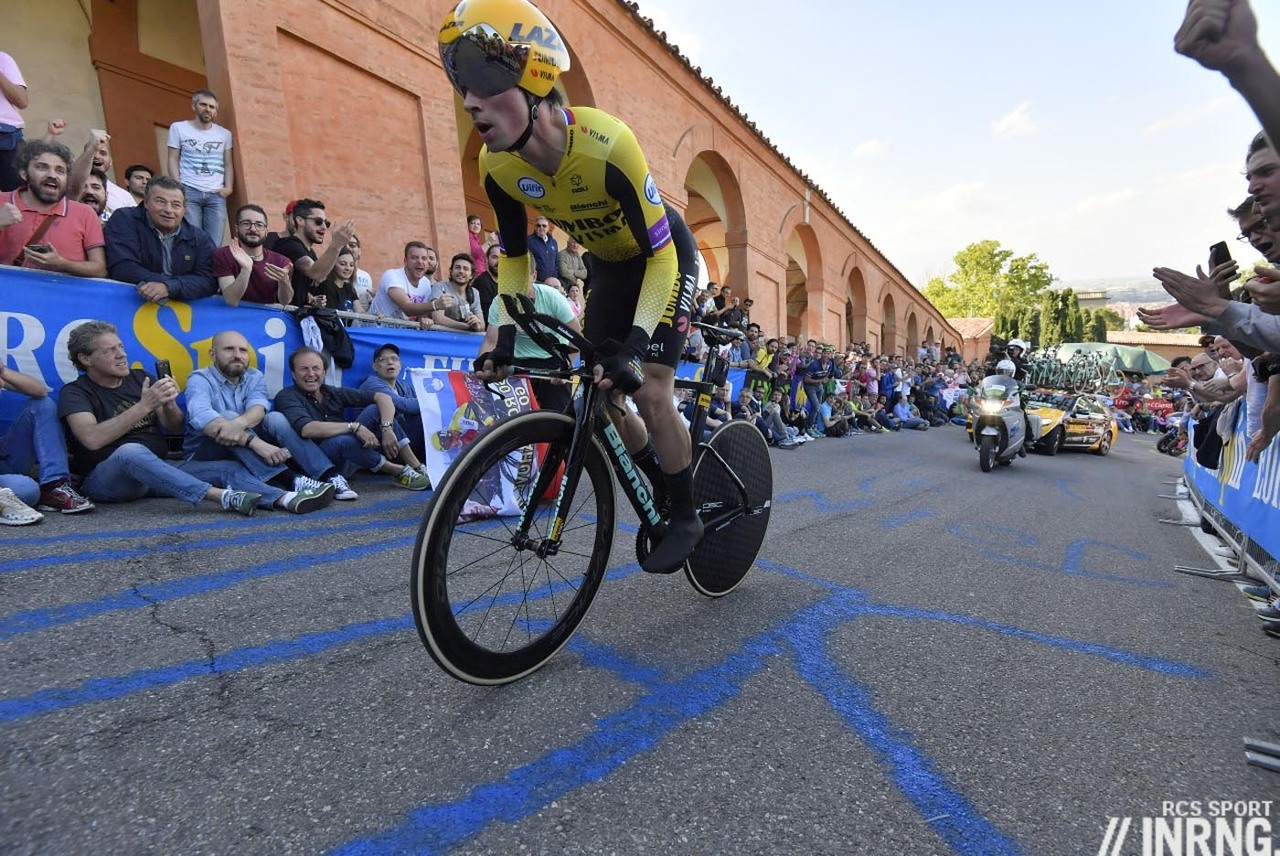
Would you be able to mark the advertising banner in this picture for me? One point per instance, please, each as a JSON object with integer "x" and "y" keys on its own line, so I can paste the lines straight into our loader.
{"x": 1246, "y": 493}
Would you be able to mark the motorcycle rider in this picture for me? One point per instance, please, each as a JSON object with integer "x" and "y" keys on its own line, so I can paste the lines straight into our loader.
{"x": 1014, "y": 364}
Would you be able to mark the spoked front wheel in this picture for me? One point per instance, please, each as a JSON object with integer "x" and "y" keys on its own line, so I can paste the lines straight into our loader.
{"x": 489, "y": 604}
{"x": 737, "y": 453}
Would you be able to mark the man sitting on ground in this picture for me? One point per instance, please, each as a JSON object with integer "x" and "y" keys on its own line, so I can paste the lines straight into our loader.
{"x": 226, "y": 402}
{"x": 408, "y": 427}
{"x": 316, "y": 411}
{"x": 114, "y": 415}
{"x": 35, "y": 439}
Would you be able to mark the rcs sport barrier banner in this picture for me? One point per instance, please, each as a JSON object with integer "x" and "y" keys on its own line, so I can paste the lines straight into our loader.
{"x": 1247, "y": 494}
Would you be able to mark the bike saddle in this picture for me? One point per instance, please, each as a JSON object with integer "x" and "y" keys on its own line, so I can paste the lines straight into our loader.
{"x": 719, "y": 335}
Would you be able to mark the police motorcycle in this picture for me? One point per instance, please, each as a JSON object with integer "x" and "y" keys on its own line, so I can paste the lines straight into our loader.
{"x": 1000, "y": 425}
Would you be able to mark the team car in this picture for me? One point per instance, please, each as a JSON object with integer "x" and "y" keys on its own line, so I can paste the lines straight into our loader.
{"x": 1069, "y": 420}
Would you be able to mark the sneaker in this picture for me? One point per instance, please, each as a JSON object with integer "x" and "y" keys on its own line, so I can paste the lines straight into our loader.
{"x": 241, "y": 501}
{"x": 680, "y": 539}
{"x": 1269, "y": 613}
{"x": 308, "y": 499}
{"x": 1272, "y": 628}
{"x": 412, "y": 479}
{"x": 301, "y": 483}
{"x": 1262, "y": 594}
{"x": 61, "y": 496}
{"x": 15, "y": 512}
{"x": 787, "y": 444}
{"x": 341, "y": 490}
{"x": 422, "y": 468}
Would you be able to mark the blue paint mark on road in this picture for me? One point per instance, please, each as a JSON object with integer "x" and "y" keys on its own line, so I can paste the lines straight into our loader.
{"x": 823, "y": 505}
{"x": 903, "y": 519}
{"x": 1061, "y": 484}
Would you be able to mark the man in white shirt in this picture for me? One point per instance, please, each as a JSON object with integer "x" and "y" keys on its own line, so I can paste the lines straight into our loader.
{"x": 405, "y": 293}
{"x": 200, "y": 158}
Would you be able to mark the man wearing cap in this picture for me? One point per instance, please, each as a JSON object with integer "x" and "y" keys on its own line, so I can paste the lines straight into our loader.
{"x": 272, "y": 237}
{"x": 408, "y": 418}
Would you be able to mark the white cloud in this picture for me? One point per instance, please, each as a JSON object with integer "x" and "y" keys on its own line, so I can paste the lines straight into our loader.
{"x": 1016, "y": 123}
{"x": 1189, "y": 115}
{"x": 966, "y": 198}
{"x": 870, "y": 148}
{"x": 1103, "y": 201}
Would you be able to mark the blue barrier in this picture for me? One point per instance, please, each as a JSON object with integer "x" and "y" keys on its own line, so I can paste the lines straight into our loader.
{"x": 1245, "y": 493}
{"x": 38, "y": 311}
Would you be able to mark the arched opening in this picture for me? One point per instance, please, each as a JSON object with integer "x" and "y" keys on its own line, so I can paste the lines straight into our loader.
{"x": 804, "y": 318}
{"x": 913, "y": 333}
{"x": 888, "y": 326}
{"x": 929, "y": 337}
{"x": 856, "y": 307}
{"x": 714, "y": 212}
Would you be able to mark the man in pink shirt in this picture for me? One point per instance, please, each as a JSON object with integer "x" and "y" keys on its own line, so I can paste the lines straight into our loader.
{"x": 40, "y": 227}
{"x": 13, "y": 99}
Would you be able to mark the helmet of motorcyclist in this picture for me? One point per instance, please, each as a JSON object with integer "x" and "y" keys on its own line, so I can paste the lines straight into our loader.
{"x": 1006, "y": 366}
{"x": 1017, "y": 343}
{"x": 490, "y": 46}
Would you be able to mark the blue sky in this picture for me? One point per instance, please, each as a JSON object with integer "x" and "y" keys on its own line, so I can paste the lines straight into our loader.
{"x": 1071, "y": 129}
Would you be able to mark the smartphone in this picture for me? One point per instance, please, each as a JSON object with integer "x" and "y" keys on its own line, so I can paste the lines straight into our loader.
{"x": 40, "y": 248}
{"x": 162, "y": 369}
{"x": 1219, "y": 254}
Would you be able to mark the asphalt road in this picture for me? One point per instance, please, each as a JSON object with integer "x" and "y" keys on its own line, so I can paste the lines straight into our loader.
{"x": 927, "y": 659}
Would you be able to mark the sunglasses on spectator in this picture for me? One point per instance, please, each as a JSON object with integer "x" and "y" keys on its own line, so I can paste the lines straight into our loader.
{"x": 318, "y": 221}
{"x": 1249, "y": 231}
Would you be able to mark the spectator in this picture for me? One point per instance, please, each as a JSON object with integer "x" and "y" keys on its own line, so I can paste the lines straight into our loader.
{"x": 772, "y": 411}
{"x": 226, "y": 402}
{"x": 546, "y": 301}
{"x": 817, "y": 373}
{"x": 726, "y": 312}
{"x": 479, "y": 248}
{"x": 574, "y": 296}
{"x": 245, "y": 270}
{"x": 310, "y": 227}
{"x": 152, "y": 248}
{"x": 338, "y": 291}
{"x": 13, "y": 99}
{"x": 95, "y": 196}
{"x": 364, "y": 282}
{"x": 571, "y": 268}
{"x": 463, "y": 312}
{"x": 274, "y": 237}
{"x": 97, "y": 155}
{"x": 545, "y": 250}
{"x": 408, "y": 419}
{"x": 405, "y": 292}
{"x": 315, "y": 410}
{"x": 486, "y": 283}
{"x": 136, "y": 179}
{"x": 40, "y": 227}
{"x": 35, "y": 440}
{"x": 114, "y": 414}
{"x": 200, "y": 158}
{"x": 906, "y": 416}
{"x": 775, "y": 433}
{"x": 830, "y": 422}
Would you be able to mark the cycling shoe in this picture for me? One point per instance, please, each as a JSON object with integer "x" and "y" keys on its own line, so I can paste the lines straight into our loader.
{"x": 680, "y": 539}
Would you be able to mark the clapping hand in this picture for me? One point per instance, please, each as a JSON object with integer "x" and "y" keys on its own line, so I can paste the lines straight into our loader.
{"x": 1197, "y": 293}
{"x": 1171, "y": 317}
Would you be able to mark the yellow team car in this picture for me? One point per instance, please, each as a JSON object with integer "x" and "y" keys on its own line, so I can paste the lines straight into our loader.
{"x": 1069, "y": 420}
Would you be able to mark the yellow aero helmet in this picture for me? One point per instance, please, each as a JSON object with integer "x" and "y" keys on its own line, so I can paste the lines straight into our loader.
{"x": 489, "y": 46}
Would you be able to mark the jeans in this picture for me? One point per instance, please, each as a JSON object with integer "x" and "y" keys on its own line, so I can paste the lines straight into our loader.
{"x": 913, "y": 422}
{"x": 349, "y": 454}
{"x": 23, "y": 487}
{"x": 207, "y": 210}
{"x": 206, "y": 448}
{"x": 35, "y": 438}
{"x": 307, "y": 456}
{"x": 133, "y": 471}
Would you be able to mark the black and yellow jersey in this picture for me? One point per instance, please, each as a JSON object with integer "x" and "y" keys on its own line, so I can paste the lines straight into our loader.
{"x": 602, "y": 195}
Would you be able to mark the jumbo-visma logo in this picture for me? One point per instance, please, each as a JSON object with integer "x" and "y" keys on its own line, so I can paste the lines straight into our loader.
{"x": 531, "y": 188}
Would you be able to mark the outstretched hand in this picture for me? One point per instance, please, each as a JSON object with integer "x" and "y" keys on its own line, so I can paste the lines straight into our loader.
{"x": 1171, "y": 317}
{"x": 1196, "y": 293}
{"x": 1219, "y": 34}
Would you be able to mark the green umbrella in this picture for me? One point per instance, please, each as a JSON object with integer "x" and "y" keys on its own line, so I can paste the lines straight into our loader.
{"x": 1125, "y": 358}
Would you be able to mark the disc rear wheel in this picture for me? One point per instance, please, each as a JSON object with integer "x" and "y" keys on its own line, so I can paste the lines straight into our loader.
{"x": 723, "y": 558}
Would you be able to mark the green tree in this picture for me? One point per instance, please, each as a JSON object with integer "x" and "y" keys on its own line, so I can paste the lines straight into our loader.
{"x": 1098, "y": 333}
{"x": 1111, "y": 318}
{"x": 988, "y": 277}
{"x": 1073, "y": 319}
{"x": 1029, "y": 325}
{"x": 1050, "y": 320}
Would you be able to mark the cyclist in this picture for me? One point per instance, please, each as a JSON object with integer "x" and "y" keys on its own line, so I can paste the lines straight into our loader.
{"x": 584, "y": 170}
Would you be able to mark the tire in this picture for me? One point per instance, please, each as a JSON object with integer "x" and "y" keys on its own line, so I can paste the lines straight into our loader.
{"x": 1166, "y": 443}
{"x": 723, "y": 558}
{"x": 1054, "y": 441}
{"x": 487, "y": 611}
{"x": 1104, "y": 445}
{"x": 987, "y": 453}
